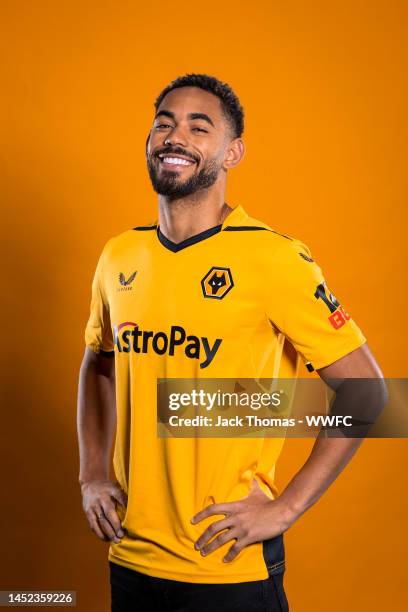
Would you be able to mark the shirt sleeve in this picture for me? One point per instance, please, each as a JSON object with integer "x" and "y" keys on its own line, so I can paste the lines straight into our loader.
{"x": 98, "y": 330}
{"x": 305, "y": 310}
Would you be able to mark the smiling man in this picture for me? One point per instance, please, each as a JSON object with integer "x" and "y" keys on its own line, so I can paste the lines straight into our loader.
{"x": 203, "y": 291}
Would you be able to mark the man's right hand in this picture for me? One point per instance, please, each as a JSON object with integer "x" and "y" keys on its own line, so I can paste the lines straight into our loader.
{"x": 98, "y": 502}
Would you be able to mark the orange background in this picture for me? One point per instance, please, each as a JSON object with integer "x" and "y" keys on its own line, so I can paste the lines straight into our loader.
{"x": 324, "y": 87}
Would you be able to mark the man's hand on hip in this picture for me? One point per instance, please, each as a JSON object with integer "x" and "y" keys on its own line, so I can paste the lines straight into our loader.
{"x": 252, "y": 519}
{"x": 99, "y": 499}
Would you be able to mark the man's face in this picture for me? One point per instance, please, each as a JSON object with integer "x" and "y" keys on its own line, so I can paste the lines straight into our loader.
{"x": 198, "y": 133}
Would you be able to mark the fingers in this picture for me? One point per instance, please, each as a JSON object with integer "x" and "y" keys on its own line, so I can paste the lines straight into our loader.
{"x": 105, "y": 523}
{"x": 120, "y": 496}
{"x": 94, "y": 525}
{"x": 226, "y": 536}
{"x": 110, "y": 522}
{"x": 234, "y": 551}
{"x": 99, "y": 504}
{"x": 112, "y": 519}
{"x": 211, "y": 531}
{"x": 227, "y": 509}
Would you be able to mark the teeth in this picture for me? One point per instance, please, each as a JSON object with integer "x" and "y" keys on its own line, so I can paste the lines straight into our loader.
{"x": 177, "y": 160}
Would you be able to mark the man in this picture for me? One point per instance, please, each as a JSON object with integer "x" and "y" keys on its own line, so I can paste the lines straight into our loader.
{"x": 204, "y": 291}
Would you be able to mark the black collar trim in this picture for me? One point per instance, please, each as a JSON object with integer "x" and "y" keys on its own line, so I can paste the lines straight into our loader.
{"x": 178, "y": 246}
{"x": 243, "y": 228}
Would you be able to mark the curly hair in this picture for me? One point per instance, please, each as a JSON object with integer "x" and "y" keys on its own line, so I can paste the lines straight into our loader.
{"x": 230, "y": 104}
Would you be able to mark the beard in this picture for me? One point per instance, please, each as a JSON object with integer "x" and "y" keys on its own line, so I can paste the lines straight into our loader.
{"x": 168, "y": 183}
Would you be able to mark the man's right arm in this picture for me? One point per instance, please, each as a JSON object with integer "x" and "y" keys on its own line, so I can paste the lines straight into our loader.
{"x": 96, "y": 422}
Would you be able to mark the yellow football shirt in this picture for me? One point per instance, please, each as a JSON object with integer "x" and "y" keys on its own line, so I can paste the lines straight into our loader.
{"x": 236, "y": 300}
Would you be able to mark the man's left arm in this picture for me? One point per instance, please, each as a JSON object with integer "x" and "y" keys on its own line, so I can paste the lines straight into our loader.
{"x": 256, "y": 517}
{"x": 330, "y": 455}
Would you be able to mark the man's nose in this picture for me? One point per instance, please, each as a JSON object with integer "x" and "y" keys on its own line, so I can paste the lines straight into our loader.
{"x": 177, "y": 136}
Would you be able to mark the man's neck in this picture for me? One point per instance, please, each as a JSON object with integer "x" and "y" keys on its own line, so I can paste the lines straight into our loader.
{"x": 180, "y": 219}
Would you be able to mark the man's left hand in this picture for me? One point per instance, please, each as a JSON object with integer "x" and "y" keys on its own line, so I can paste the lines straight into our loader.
{"x": 252, "y": 519}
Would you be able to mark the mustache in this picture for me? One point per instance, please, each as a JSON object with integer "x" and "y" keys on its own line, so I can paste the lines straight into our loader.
{"x": 174, "y": 150}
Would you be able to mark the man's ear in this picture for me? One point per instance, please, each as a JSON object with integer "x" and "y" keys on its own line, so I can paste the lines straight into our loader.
{"x": 235, "y": 152}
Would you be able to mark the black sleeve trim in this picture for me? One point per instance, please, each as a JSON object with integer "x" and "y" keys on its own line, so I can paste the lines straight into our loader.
{"x": 107, "y": 353}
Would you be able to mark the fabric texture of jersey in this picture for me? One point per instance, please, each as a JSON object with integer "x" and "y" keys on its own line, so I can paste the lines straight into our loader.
{"x": 257, "y": 305}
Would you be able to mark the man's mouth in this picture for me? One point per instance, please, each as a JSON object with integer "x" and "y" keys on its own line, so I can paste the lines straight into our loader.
{"x": 175, "y": 160}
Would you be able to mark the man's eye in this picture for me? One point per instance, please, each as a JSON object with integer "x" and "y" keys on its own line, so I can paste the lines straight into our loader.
{"x": 199, "y": 129}
{"x": 160, "y": 125}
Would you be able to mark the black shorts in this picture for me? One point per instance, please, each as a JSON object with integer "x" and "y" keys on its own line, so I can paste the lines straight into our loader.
{"x": 132, "y": 591}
